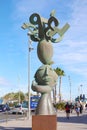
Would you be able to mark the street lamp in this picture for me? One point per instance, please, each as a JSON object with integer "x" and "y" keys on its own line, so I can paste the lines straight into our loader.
{"x": 24, "y": 26}
{"x": 81, "y": 88}
{"x": 70, "y": 86}
{"x": 29, "y": 50}
{"x": 19, "y": 89}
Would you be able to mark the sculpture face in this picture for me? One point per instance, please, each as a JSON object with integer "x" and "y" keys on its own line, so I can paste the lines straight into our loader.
{"x": 45, "y": 75}
{"x": 45, "y": 51}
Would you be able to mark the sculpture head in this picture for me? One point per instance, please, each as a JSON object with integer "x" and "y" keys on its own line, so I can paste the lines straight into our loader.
{"x": 45, "y": 51}
{"x": 45, "y": 75}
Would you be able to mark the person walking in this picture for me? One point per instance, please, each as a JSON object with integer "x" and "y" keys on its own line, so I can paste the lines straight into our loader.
{"x": 71, "y": 107}
{"x": 67, "y": 109}
{"x": 81, "y": 108}
{"x": 86, "y": 106}
{"x": 77, "y": 109}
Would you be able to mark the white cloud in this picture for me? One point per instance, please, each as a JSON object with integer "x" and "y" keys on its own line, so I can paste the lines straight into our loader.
{"x": 79, "y": 12}
{"x": 25, "y": 8}
{"x": 72, "y": 55}
{"x": 78, "y": 20}
{"x": 4, "y": 82}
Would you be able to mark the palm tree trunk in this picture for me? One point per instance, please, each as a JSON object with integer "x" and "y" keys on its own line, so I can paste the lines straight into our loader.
{"x": 54, "y": 95}
{"x": 60, "y": 89}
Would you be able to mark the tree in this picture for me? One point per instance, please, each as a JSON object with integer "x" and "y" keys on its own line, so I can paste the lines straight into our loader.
{"x": 60, "y": 73}
{"x": 22, "y": 96}
{"x": 14, "y": 96}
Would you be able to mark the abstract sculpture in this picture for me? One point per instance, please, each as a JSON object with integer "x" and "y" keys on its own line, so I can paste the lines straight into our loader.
{"x": 43, "y": 30}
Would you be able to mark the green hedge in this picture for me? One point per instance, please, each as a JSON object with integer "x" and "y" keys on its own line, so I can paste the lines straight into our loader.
{"x": 60, "y": 106}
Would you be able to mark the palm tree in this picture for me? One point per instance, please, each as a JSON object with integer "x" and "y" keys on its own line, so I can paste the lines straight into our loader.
{"x": 60, "y": 73}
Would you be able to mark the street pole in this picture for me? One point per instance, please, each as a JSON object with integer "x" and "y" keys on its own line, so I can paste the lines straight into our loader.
{"x": 19, "y": 89}
{"x": 81, "y": 88}
{"x": 70, "y": 86}
{"x": 29, "y": 50}
{"x": 78, "y": 91}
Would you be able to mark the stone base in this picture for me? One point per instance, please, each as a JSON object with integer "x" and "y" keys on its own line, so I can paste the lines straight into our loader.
{"x": 44, "y": 122}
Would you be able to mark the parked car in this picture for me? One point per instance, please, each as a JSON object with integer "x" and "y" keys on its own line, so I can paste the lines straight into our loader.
{"x": 4, "y": 107}
{"x": 19, "y": 109}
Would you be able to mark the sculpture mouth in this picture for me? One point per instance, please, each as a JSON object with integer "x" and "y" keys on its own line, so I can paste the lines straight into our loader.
{"x": 46, "y": 79}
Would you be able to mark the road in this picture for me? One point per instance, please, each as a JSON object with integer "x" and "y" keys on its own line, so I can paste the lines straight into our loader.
{"x": 6, "y": 116}
{"x": 74, "y": 123}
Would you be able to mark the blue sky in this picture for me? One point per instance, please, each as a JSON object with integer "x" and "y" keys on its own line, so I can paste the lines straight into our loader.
{"x": 70, "y": 54}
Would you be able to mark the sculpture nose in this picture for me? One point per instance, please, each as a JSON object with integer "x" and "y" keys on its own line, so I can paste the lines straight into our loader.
{"x": 47, "y": 71}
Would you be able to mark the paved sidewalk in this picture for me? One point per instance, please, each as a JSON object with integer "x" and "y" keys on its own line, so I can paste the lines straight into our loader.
{"x": 19, "y": 124}
{"x": 74, "y": 123}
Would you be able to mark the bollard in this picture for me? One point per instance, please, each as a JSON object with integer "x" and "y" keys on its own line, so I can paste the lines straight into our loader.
{"x": 16, "y": 115}
{"x": 25, "y": 115}
{"x": 6, "y": 116}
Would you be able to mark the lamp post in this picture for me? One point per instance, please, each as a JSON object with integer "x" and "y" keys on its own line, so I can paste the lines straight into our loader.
{"x": 24, "y": 26}
{"x": 81, "y": 88}
{"x": 70, "y": 86}
{"x": 78, "y": 91}
{"x": 19, "y": 89}
{"x": 29, "y": 50}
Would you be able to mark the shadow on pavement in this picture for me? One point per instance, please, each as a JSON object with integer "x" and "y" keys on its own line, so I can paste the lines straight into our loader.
{"x": 14, "y": 128}
{"x": 73, "y": 119}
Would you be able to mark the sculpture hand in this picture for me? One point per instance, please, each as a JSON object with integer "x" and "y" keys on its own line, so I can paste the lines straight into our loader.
{"x": 41, "y": 88}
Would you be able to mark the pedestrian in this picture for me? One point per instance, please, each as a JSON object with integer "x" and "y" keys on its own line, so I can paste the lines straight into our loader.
{"x": 77, "y": 109}
{"x": 71, "y": 108}
{"x": 67, "y": 109}
{"x": 81, "y": 108}
{"x": 86, "y": 106}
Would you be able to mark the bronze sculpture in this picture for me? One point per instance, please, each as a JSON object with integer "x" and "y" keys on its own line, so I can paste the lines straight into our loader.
{"x": 41, "y": 30}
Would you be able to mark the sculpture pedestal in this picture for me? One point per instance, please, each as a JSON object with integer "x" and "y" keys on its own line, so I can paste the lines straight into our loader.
{"x": 44, "y": 122}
